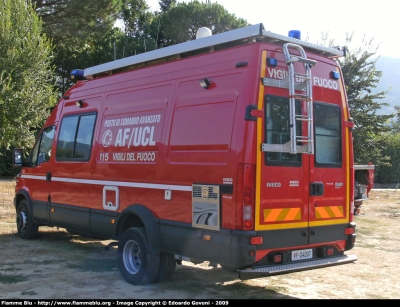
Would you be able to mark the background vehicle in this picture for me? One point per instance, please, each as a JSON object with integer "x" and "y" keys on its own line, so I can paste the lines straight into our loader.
{"x": 364, "y": 182}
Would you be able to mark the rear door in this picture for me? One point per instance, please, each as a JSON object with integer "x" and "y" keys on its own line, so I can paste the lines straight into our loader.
{"x": 284, "y": 192}
{"x": 329, "y": 200}
{"x": 301, "y": 196}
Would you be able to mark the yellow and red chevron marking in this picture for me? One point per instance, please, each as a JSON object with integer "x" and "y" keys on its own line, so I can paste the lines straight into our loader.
{"x": 282, "y": 214}
{"x": 328, "y": 212}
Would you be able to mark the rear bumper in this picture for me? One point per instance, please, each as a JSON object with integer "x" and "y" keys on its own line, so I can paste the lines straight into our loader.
{"x": 233, "y": 248}
{"x": 295, "y": 267}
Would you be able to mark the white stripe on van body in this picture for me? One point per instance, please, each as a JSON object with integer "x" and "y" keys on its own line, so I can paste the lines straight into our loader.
{"x": 114, "y": 183}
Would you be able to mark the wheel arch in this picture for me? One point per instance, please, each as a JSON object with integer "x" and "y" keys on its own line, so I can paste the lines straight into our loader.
{"x": 138, "y": 215}
{"x": 26, "y": 225}
{"x": 21, "y": 195}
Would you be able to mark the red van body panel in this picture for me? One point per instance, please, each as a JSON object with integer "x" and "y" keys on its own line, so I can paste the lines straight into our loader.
{"x": 152, "y": 147}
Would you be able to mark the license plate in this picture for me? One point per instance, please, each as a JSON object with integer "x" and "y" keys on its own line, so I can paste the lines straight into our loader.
{"x": 301, "y": 254}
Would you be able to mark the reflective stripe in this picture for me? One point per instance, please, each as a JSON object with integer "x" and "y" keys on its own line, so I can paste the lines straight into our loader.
{"x": 328, "y": 212}
{"x": 114, "y": 183}
{"x": 282, "y": 214}
{"x": 260, "y": 106}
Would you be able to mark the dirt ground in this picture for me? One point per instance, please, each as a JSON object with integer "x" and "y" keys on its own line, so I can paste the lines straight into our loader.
{"x": 58, "y": 265}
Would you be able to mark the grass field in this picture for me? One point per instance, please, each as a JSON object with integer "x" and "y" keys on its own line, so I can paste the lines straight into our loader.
{"x": 60, "y": 265}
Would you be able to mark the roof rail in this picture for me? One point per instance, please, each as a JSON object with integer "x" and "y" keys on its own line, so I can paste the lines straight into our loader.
{"x": 331, "y": 52}
{"x": 242, "y": 35}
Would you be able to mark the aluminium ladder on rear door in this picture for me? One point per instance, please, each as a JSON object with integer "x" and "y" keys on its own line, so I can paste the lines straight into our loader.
{"x": 308, "y": 146}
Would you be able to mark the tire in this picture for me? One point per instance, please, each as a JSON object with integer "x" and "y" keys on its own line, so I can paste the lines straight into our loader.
{"x": 26, "y": 226}
{"x": 167, "y": 267}
{"x": 137, "y": 263}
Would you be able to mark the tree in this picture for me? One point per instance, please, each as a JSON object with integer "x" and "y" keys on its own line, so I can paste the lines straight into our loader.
{"x": 26, "y": 89}
{"x": 361, "y": 77}
{"x": 181, "y": 21}
{"x": 73, "y": 26}
{"x": 166, "y": 4}
{"x": 71, "y": 22}
{"x": 137, "y": 19}
{"x": 114, "y": 45}
{"x": 390, "y": 172}
{"x": 395, "y": 123}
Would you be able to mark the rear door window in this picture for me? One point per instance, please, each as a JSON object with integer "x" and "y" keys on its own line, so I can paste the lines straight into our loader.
{"x": 277, "y": 129}
{"x": 328, "y": 149}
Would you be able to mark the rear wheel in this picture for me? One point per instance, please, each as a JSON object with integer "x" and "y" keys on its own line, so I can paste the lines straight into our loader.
{"x": 137, "y": 263}
{"x": 26, "y": 226}
{"x": 167, "y": 267}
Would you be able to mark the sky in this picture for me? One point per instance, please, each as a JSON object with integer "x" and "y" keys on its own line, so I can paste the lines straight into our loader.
{"x": 376, "y": 20}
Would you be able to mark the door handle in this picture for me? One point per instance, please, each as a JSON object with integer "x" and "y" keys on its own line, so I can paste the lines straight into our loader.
{"x": 48, "y": 176}
{"x": 316, "y": 189}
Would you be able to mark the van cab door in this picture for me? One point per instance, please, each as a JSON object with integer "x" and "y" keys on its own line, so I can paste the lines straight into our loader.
{"x": 38, "y": 175}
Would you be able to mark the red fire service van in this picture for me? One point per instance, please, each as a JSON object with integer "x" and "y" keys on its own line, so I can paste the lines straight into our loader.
{"x": 234, "y": 148}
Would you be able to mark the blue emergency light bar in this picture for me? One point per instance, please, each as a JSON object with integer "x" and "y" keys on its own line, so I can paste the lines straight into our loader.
{"x": 77, "y": 74}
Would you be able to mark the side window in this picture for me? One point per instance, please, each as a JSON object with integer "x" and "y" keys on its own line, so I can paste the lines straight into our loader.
{"x": 277, "y": 129}
{"x": 42, "y": 150}
{"x": 328, "y": 149}
{"x": 75, "y": 138}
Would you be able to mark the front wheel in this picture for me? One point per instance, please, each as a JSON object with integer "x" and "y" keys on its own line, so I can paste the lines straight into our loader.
{"x": 26, "y": 226}
{"x": 137, "y": 263}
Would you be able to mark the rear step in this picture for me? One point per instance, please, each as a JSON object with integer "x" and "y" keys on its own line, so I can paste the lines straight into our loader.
{"x": 295, "y": 267}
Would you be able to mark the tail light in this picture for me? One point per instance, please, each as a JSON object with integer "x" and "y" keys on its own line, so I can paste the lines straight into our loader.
{"x": 246, "y": 194}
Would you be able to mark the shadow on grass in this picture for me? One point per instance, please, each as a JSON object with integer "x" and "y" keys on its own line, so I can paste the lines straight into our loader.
{"x": 74, "y": 253}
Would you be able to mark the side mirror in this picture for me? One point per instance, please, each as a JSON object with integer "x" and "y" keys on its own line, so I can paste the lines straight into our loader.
{"x": 18, "y": 157}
